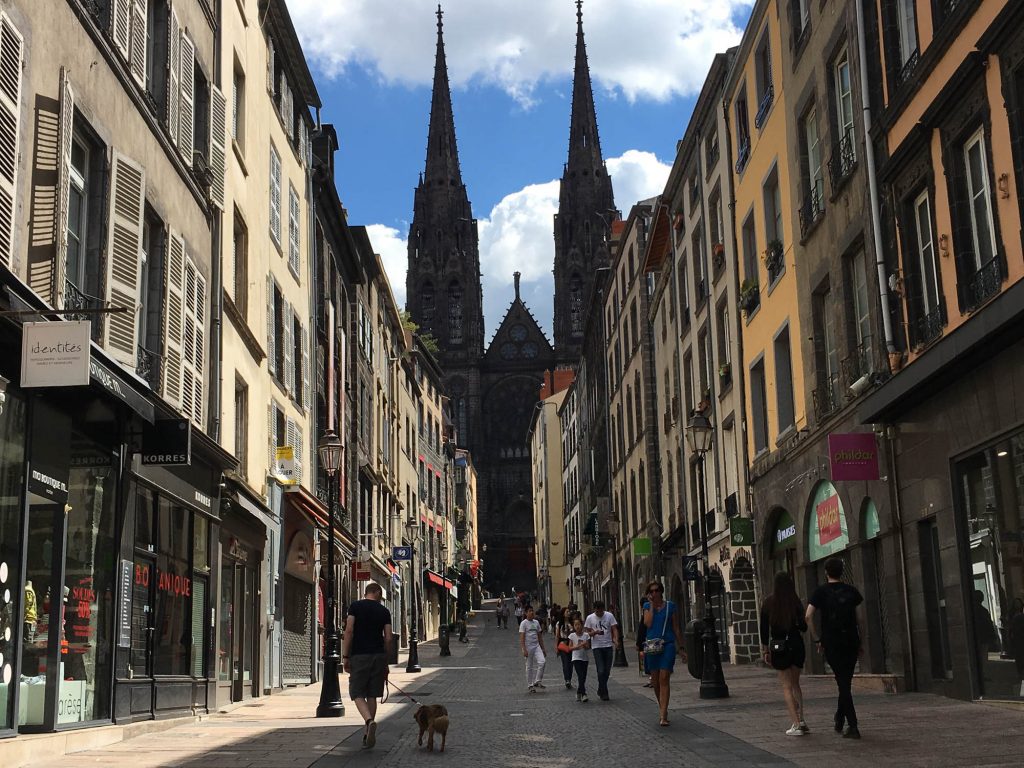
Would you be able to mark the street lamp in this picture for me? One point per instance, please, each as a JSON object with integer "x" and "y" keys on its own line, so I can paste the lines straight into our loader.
{"x": 699, "y": 433}
{"x": 330, "y": 450}
{"x": 413, "y": 664}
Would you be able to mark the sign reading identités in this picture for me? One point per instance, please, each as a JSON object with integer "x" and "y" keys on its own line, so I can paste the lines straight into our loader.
{"x": 55, "y": 354}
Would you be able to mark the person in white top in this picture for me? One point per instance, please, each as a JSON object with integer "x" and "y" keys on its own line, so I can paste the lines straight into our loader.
{"x": 579, "y": 641}
{"x": 532, "y": 644}
{"x": 604, "y": 637}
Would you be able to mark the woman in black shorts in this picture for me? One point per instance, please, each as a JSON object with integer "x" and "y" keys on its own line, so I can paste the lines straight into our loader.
{"x": 782, "y": 645}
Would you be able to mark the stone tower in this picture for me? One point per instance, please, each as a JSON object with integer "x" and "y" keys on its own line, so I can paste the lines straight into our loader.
{"x": 586, "y": 208}
{"x": 443, "y": 288}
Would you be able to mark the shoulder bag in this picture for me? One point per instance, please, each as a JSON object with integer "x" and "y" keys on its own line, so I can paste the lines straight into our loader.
{"x": 656, "y": 645}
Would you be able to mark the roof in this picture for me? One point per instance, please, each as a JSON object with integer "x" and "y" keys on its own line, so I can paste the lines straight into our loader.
{"x": 275, "y": 12}
{"x": 659, "y": 244}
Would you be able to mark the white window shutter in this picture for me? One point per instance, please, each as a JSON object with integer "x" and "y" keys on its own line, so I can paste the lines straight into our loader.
{"x": 301, "y": 141}
{"x": 124, "y": 258}
{"x": 306, "y": 395}
{"x": 229, "y": 274}
{"x": 289, "y": 437}
{"x": 271, "y": 439}
{"x": 65, "y": 132}
{"x": 173, "y": 76}
{"x": 218, "y": 144}
{"x": 271, "y": 64}
{"x": 275, "y": 195}
{"x": 120, "y": 26}
{"x": 11, "y": 49}
{"x": 186, "y": 105}
{"x": 286, "y": 105}
{"x": 174, "y": 311}
{"x": 271, "y": 329}
{"x": 137, "y": 63}
{"x": 194, "y": 344}
{"x": 288, "y": 379}
{"x": 299, "y": 453}
{"x": 293, "y": 230}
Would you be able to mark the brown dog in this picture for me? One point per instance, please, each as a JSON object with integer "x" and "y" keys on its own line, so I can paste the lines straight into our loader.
{"x": 430, "y": 719}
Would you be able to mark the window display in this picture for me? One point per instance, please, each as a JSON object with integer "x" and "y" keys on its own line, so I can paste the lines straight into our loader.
{"x": 12, "y": 456}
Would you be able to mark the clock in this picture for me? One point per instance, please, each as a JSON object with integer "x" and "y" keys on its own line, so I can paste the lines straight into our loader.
{"x": 509, "y": 350}
{"x": 530, "y": 350}
{"x": 518, "y": 332}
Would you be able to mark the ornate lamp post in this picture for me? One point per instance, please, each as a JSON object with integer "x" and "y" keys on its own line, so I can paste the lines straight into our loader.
{"x": 699, "y": 433}
{"x": 413, "y": 664}
{"x": 330, "y": 450}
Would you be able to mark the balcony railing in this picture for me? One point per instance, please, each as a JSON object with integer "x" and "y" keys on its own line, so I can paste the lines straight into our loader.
{"x": 856, "y": 365}
{"x": 826, "y": 398}
{"x": 147, "y": 365}
{"x": 742, "y": 153}
{"x": 765, "y": 106}
{"x": 712, "y": 156}
{"x": 812, "y": 208}
{"x": 928, "y": 327}
{"x": 74, "y": 298}
{"x": 842, "y": 161}
{"x": 908, "y": 68}
{"x": 984, "y": 283}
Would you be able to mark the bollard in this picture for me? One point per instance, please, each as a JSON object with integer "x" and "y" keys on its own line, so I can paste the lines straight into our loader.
{"x": 443, "y": 640}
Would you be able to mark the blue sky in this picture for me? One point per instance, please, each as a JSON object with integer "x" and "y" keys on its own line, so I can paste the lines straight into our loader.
{"x": 510, "y": 66}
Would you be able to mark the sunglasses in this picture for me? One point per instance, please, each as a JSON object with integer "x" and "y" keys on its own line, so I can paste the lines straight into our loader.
{"x": 657, "y": 589}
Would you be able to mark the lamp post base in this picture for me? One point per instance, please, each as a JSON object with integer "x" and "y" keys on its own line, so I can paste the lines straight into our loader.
{"x": 712, "y": 679}
{"x": 413, "y": 664}
{"x": 330, "y": 691}
{"x": 620, "y": 657}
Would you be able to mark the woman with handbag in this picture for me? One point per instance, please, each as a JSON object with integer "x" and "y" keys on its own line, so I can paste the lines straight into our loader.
{"x": 782, "y": 644}
{"x": 562, "y": 630}
{"x": 661, "y": 620}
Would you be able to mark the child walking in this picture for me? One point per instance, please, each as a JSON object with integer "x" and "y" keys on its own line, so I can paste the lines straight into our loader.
{"x": 579, "y": 642}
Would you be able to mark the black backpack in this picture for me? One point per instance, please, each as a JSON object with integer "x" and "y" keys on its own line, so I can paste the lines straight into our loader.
{"x": 841, "y": 615}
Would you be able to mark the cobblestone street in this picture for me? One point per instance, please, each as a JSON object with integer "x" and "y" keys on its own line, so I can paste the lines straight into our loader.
{"x": 495, "y": 722}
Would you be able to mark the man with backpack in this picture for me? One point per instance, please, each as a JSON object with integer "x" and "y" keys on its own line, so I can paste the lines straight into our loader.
{"x": 840, "y": 638}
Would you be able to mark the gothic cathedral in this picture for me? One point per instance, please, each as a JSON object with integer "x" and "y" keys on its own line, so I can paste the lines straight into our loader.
{"x": 494, "y": 391}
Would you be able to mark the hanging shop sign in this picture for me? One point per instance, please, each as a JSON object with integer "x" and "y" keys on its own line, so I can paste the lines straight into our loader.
{"x": 642, "y": 545}
{"x": 853, "y": 456}
{"x": 167, "y": 442}
{"x": 401, "y": 553}
{"x": 691, "y": 567}
{"x": 361, "y": 570}
{"x": 284, "y": 467}
{"x": 741, "y": 531}
{"x": 56, "y": 354}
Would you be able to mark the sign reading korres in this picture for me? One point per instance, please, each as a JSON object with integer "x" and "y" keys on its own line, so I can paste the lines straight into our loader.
{"x": 853, "y": 456}
{"x": 55, "y": 354}
{"x": 167, "y": 442}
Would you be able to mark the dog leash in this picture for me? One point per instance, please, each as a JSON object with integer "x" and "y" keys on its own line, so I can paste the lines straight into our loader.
{"x": 387, "y": 693}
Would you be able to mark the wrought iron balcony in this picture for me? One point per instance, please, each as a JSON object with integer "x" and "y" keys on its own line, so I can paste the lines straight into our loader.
{"x": 74, "y": 298}
{"x": 826, "y": 398}
{"x": 927, "y": 327}
{"x": 767, "y": 98}
{"x": 742, "y": 153}
{"x": 984, "y": 283}
{"x": 812, "y": 208}
{"x": 842, "y": 161}
{"x": 147, "y": 365}
{"x": 908, "y": 68}
{"x": 712, "y": 156}
{"x": 856, "y": 365}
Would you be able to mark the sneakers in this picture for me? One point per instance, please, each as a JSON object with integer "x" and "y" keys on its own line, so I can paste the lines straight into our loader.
{"x": 795, "y": 730}
{"x": 540, "y": 685}
{"x": 579, "y": 697}
{"x": 803, "y": 727}
{"x": 584, "y": 698}
{"x": 532, "y": 689}
{"x": 568, "y": 685}
{"x": 371, "y": 734}
{"x": 851, "y": 733}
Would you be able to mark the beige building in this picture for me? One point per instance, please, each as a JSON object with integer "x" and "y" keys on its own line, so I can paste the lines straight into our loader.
{"x": 545, "y": 441}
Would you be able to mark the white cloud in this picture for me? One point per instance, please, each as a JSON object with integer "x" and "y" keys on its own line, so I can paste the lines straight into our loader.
{"x": 518, "y": 235}
{"x": 654, "y": 49}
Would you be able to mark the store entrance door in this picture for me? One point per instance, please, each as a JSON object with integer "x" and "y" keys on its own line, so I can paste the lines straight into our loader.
{"x": 236, "y": 641}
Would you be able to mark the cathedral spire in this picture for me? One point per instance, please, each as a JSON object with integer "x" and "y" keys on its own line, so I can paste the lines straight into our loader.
{"x": 584, "y": 145}
{"x": 442, "y": 152}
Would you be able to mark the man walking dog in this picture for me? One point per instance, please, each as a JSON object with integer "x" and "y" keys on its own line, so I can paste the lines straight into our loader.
{"x": 365, "y": 649}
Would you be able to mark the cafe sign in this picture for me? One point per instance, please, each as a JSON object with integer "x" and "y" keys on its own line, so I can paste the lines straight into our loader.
{"x": 56, "y": 354}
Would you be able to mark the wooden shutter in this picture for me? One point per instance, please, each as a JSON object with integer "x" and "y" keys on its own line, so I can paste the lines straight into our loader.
{"x": 137, "y": 63}
{"x": 65, "y": 133}
{"x": 120, "y": 26}
{"x": 186, "y": 105}
{"x": 270, "y": 66}
{"x": 301, "y": 140}
{"x": 299, "y": 453}
{"x": 218, "y": 144}
{"x": 287, "y": 106}
{"x": 271, "y": 439}
{"x": 193, "y": 344}
{"x": 124, "y": 257}
{"x": 293, "y": 230}
{"x": 174, "y": 310}
{"x": 11, "y": 49}
{"x": 275, "y": 195}
{"x": 305, "y": 369}
{"x": 289, "y": 439}
{"x": 173, "y": 76}
{"x": 288, "y": 379}
{"x": 271, "y": 329}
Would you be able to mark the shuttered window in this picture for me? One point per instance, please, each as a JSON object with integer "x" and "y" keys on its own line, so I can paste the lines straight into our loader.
{"x": 124, "y": 257}
{"x": 173, "y": 76}
{"x": 275, "y": 195}
{"x": 11, "y": 49}
{"x": 174, "y": 319}
{"x": 293, "y": 231}
{"x": 218, "y": 145}
{"x": 186, "y": 106}
{"x": 120, "y": 26}
{"x": 193, "y": 344}
{"x": 65, "y": 135}
{"x": 139, "y": 42}
{"x": 287, "y": 376}
{"x": 271, "y": 327}
{"x": 306, "y": 394}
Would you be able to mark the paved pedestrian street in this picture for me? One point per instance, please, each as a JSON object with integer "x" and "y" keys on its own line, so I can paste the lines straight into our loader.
{"x": 496, "y": 722}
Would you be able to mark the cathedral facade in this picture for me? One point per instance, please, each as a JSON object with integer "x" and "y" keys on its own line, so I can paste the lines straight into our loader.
{"x": 494, "y": 389}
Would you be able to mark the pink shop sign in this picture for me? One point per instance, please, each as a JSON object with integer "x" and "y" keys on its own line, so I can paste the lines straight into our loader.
{"x": 853, "y": 456}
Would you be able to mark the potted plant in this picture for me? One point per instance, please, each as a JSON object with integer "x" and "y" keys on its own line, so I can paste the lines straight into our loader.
{"x": 749, "y": 295}
{"x": 724, "y": 370}
{"x": 718, "y": 255}
{"x": 774, "y": 256}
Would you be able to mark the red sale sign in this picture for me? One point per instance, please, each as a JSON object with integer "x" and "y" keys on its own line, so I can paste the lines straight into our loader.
{"x": 829, "y": 526}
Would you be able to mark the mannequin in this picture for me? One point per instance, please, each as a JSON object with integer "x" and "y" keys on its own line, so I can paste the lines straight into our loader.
{"x": 31, "y": 612}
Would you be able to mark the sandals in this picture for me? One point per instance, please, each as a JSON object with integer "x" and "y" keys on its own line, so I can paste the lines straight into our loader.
{"x": 663, "y": 722}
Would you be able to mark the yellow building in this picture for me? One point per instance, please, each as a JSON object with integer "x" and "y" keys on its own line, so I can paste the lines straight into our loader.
{"x": 545, "y": 440}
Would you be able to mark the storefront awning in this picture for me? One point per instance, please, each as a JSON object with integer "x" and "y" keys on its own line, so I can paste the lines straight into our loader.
{"x": 438, "y": 579}
{"x": 316, "y": 511}
{"x": 435, "y": 525}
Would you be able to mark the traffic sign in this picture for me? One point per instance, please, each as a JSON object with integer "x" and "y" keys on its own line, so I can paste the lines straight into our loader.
{"x": 401, "y": 553}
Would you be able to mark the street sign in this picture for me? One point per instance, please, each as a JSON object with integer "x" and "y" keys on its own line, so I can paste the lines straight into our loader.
{"x": 741, "y": 531}
{"x": 401, "y": 553}
{"x": 690, "y": 567}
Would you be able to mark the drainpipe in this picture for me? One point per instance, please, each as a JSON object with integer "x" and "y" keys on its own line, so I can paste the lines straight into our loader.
{"x": 213, "y": 418}
{"x": 869, "y": 152}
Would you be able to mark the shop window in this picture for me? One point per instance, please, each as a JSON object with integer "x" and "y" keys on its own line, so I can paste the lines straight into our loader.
{"x": 13, "y": 597}
{"x": 827, "y": 533}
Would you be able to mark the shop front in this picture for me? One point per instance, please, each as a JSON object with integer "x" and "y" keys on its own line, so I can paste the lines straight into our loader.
{"x": 299, "y": 599}
{"x": 782, "y": 544}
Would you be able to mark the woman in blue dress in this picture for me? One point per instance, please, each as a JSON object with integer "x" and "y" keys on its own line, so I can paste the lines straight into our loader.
{"x": 661, "y": 619}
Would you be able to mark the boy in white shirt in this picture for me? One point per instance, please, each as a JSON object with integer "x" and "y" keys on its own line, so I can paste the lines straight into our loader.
{"x": 533, "y": 650}
{"x": 579, "y": 641}
{"x": 604, "y": 637}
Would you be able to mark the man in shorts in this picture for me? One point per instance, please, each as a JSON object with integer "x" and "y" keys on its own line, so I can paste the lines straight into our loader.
{"x": 365, "y": 650}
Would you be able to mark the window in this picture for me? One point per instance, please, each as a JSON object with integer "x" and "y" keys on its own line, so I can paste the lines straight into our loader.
{"x": 576, "y": 305}
{"x": 742, "y": 130}
{"x": 772, "y": 198}
{"x": 844, "y": 110}
{"x": 715, "y": 226}
{"x": 688, "y": 381}
{"x": 813, "y": 205}
{"x": 279, "y": 332}
{"x": 150, "y": 322}
{"x": 826, "y": 351}
{"x": 803, "y": 15}
{"x": 906, "y": 22}
{"x": 427, "y": 305}
{"x": 861, "y": 320}
{"x": 294, "y": 235}
{"x": 238, "y": 106}
{"x": 684, "y": 300}
{"x": 749, "y": 250}
{"x": 784, "y": 380}
{"x": 983, "y": 237}
{"x": 200, "y": 116}
{"x": 156, "y": 50}
{"x": 700, "y": 266}
{"x": 78, "y": 214}
{"x": 455, "y": 335}
{"x": 759, "y": 406}
{"x": 763, "y": 75}
{"x": 629, "y": 415}
{"x": 298, "y": 359}
{"x": 275, "y": 196}
{"x": 704, "y": 363}
{"x": 724, "y": 338}
{"x": 638, "y": 403}
{"x": 927, "y": 285}
{"x": 240, "y": 266}
{"x": 242, "y": 426}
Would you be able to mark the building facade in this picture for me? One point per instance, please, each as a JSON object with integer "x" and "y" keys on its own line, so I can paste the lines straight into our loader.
{"x": 548, "y": 499}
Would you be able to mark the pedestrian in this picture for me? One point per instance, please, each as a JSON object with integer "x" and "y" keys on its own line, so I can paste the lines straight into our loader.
{"x": 497, "y": 609}
{"x": 542, "y": 616}
{"x": 365, "y": 649}
{"x": 579, "y": 641}
{"x": 505, "y": 610}
{"x": 782, "y": 646}
{"x": 562, "y": 630}
{"x": 519, "y": 610}
{"x": 661, "y": 619}
{"x": 641, "y": 635}
{"x": 840, "y": 638}
{"x": 531, "y": 642}
{"x": 604, "y": 637}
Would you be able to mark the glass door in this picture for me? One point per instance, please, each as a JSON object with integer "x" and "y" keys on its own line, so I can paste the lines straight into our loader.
{"x": 226, "y": 629}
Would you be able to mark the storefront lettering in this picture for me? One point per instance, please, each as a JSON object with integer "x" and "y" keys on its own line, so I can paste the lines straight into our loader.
{"x": 785, "y": 533}
{"x": 203, "y": 499}
{"x": 174, "y": 584}
{"x": 142, "y": 575}
{"x": 829, "y": 527}
{"x": 49, "y": 482}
